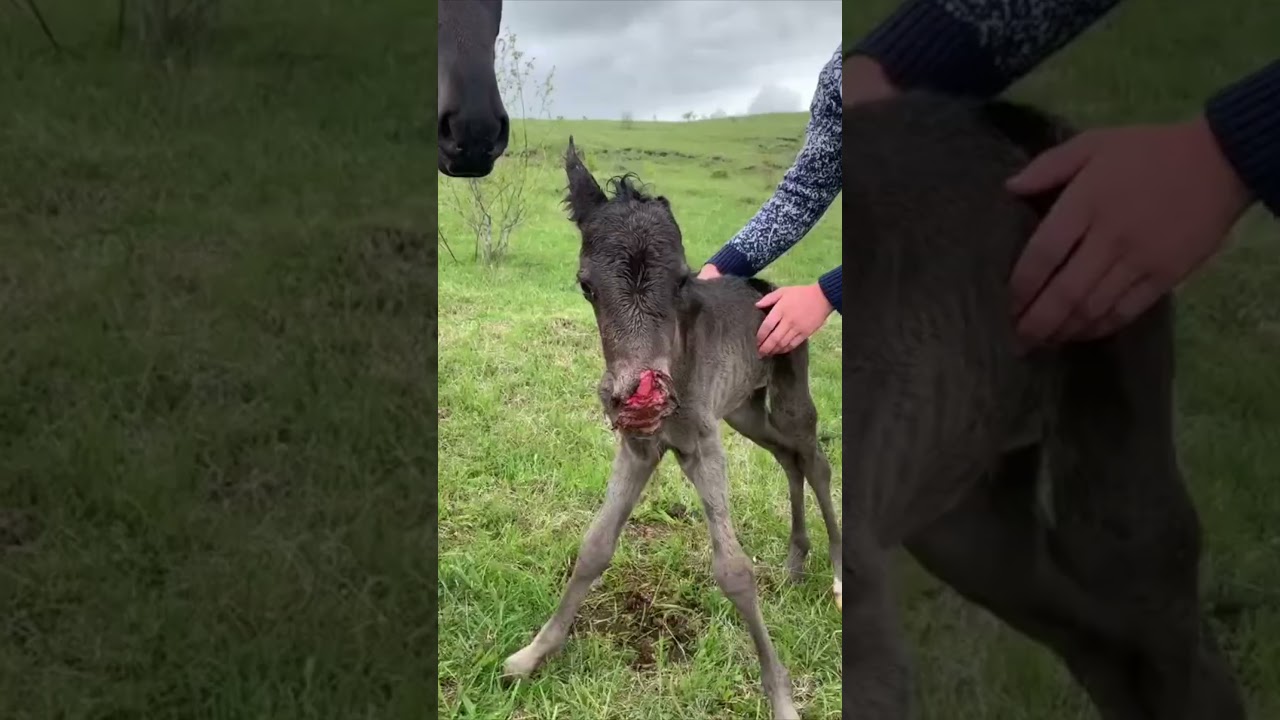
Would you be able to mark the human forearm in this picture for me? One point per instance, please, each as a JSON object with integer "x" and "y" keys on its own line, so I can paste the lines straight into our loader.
{"x": 791, "y": 212}
{"x": 973, "y": 47}
{"x": 807, "y": 189}
{"x": 1245, "y": 120}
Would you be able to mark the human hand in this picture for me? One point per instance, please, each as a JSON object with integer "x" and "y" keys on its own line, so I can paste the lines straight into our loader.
{"x": 709, "y": 272}
{"x": 863, "y": 80}
{"x": 1143, "y": 207}
{"x": 798, "y": 311}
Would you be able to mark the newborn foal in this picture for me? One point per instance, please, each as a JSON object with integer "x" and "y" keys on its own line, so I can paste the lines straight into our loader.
{"x": 680, "y": 354}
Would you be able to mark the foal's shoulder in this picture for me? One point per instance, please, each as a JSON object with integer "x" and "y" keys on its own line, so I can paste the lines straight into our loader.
{"x": 727, "y": 295}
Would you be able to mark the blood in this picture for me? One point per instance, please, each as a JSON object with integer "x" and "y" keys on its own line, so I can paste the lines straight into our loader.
{"x": 646, "y": 395}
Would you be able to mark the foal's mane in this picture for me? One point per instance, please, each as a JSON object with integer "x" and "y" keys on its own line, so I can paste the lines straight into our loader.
{"x": 628, "y": 186}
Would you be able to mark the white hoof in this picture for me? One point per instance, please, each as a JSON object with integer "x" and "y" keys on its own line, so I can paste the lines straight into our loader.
{"x": 785, "y": 711}
{"x": 838, "y": 588}
{"x": 521, "y": 664}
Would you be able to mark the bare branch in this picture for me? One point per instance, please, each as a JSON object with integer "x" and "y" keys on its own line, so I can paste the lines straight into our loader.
{"x": 44, "y": 26}
{"x": 444, "y": 240}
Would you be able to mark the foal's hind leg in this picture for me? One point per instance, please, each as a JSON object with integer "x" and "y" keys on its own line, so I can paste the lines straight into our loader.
{"x": 1125, "y": 527}
{"x": 818, "y": 470}
{"x": 793, "y": 414}
{"x": 1139, "y": 555}
{"x": 632, "y": 467}
{"x": 704, "y": 466}
{"x": 751, "y": 420}
{"x": 789, "y": 430}
{"x": 991, "y": 550}
{"x": 801, "y": 457}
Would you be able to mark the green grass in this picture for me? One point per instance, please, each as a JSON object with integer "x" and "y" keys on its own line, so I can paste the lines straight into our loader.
{"x": 524, "y": 453}
{"x": 217, "y": 431}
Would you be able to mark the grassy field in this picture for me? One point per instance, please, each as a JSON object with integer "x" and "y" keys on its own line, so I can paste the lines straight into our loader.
{"x": 524, "y": 453}
{"x": 217, "y": 429}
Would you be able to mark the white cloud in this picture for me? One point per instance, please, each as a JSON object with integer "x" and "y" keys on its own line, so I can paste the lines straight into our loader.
{"x": 667, "y": 57}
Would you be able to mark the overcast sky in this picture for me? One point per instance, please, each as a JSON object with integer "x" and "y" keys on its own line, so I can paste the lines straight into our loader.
{"x": 669, "y": 57}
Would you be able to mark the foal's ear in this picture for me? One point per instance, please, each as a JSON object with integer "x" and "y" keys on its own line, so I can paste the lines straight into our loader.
{"x": 585, "y": 194}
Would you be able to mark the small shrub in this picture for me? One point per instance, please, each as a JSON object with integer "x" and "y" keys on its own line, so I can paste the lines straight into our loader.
{"x": 494, "y": 207}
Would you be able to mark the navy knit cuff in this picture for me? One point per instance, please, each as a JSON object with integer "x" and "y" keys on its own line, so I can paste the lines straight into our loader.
{"x": 731, "y": 261}
{"x": 832, "y": 282}
{"x": 921, "y": 46}
{"x": 1245, "y": 119}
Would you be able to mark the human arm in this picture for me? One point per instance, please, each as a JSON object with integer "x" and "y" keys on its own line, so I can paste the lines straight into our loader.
{"x": 806, "y": 191}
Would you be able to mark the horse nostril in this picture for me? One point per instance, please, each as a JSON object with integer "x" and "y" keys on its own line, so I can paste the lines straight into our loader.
{"x": 620, "y": 395}
{"x": 444, "y": 131}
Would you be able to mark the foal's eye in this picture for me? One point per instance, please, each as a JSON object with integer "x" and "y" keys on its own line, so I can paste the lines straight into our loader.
{"x": 586, "y": 291}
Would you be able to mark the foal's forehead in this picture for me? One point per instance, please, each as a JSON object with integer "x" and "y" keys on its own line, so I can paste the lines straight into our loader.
{"x": 632, "y": 221}
{"x": 631, "y": 237}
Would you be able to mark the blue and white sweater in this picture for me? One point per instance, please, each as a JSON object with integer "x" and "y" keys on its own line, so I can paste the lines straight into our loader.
{"x": 805, "y": 193}
{"x": 980, "y": 47}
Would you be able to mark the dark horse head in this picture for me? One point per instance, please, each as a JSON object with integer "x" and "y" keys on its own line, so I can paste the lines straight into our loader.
{"x": 473, "y": 126}
{"x": 632, "y": 269}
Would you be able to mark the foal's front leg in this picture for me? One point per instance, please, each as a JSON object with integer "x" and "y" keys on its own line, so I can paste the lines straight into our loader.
{"x": 632, "y": 467}
{"x": 704, "y": 467}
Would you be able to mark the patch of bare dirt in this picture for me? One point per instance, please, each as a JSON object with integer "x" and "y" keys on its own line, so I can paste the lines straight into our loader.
{"x": 634, "y": 609}
{"x": 645, "y": 620}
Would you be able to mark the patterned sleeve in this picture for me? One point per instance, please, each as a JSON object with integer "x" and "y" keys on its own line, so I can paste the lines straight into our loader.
{"x": 807, "y": 189}
{"x": 975, "y": 47}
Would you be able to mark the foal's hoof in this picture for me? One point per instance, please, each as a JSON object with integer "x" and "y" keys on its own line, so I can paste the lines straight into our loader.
{"x": 520, "y": 665}
{"x": 795, "y": 566}
{"x": 785, "y": 710}
{"x": 838, "y": 589}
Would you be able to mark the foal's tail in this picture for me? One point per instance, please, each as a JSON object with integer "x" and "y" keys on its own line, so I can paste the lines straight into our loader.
{"x": 1032, "y": 130}
{"x": 760, "y": 285}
